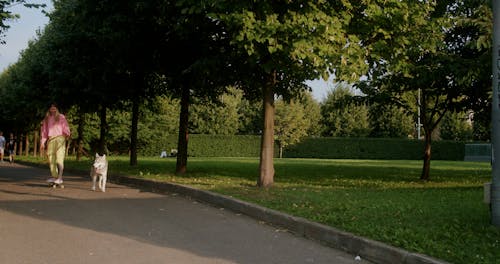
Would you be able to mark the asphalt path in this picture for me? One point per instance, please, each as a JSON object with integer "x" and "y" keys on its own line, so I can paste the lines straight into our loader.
{"x": 39, "y": 224}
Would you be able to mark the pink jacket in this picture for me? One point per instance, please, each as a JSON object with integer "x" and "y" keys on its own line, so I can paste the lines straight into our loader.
{"x": 51, "y": 128}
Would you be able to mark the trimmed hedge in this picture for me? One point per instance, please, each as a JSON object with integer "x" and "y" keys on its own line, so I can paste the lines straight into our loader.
{"x": 373, "y": 148}
{"x": 154, "y": 149}
{"x": 210, "y": 146}
{"x": 224, "y": 146}
{"x": 317, "y": 147}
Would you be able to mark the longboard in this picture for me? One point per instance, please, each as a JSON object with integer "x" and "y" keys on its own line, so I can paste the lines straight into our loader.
{"x": 55, "y": 185}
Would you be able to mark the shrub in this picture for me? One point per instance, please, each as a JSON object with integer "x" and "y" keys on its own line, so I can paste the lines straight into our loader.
{"x": 314, "y": 147}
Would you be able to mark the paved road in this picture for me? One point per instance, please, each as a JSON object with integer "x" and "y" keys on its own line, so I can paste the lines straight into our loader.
{"x": 39, "y": 225}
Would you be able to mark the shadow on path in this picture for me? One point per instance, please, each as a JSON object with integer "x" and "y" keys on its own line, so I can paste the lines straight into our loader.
{"x": 125, "y": 225}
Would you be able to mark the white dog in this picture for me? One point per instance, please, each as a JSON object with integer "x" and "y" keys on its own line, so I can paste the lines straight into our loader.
{"x": 99, "y": 169}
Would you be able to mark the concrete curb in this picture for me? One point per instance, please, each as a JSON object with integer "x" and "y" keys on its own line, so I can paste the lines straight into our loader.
{"x": 370, "y": 250}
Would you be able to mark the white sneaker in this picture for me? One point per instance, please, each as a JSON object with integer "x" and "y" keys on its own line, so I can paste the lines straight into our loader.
{"x": 51, "y": 180}
{"x": 58, "y": 181}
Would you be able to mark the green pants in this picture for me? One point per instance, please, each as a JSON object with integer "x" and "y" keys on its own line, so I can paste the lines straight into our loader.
{"x": 56, "y": 150}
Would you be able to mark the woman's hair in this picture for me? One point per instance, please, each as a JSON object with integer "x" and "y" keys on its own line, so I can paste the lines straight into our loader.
{"x": 56, "y": 116}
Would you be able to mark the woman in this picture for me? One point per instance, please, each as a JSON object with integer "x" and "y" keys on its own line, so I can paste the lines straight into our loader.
{"x": 54, "y": 132}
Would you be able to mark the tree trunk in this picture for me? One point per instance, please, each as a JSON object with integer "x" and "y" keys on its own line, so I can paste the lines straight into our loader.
{"x": 27, "y": 145}
{"x": 103, "y": 130}
{"x": 133, "y": 132}
{"x": 182, "y": 143}
{"x": 266, "y": 168}
{"x": 79, "y": 140}
{"x": 20, "y": 145}
{"x": 35, "y": 143}
{"x": 427, "y": 156}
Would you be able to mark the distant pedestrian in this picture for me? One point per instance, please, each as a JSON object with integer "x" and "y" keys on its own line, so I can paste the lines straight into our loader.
{"x": 2, "y": 146}
{"x": 54, "y": 133}
{"x": 11, "y": 147}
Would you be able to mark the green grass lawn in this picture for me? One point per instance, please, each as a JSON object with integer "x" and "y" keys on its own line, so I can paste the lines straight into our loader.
{"x": 382, "y": 200}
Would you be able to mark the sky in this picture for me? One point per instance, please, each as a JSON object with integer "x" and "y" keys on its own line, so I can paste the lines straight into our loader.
{"x": 21, "y": 31}
{"x": 24, "y": 29}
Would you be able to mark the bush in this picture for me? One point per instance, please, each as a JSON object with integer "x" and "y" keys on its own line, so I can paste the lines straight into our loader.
{"x": 209, "y": 146}
{"x": 224, "y": 146}
{"x": 317, "y": 147}
{"x": 373, "y": 148}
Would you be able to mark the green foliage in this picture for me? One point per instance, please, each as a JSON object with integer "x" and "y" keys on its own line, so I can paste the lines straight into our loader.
{"x": 481, "y": 126}
{"x": 342, "y": 117}
{"x": 443, "y": 53}
{"x": 216, "y": 118}
{"x": 25, "y": 84}
{"x": 158, "y": 122}
{"x": 158, "y": 131}
{"x": 155, "y": 124}
{"x": 250, "y": 117}
{"x": 431, "y": 54}
{"x": 312, "y": 111}
{"x": 290, "y": 124}
{"x": 373, "y": 148}
{"x": 295, "y": 41}
{"x": 456, "y": 126}
{"x": 207, "y": 146}
{"x": 93, "y": 55}
{"x": 224, "y": 146}
{"x": 280, "y": 45}
{"x": 389, "y": 121}
{"x": 311, "y": 147}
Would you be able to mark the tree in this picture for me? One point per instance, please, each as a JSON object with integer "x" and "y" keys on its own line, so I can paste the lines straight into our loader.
{"x": 342, "y": 116}
{"x": 427, "y": 47}
{"x": 194, "y": 59}
{"x": 456, "y": 126}
{"x": 279, "y": 45}
{"x": 132, "y": 46}
{"x": 78, "y": 66}
{"x": 390, "y": 121}
{"x": 217, "y": 117}
{"x": 250, "y": 117}
{"x": 472, "y": 38}
{"x": 312, "y": 110}
{"x": 26, "y": 84}
{"x": 109, "y": 57}
{"x": 291, "y": 124}
{"x": 462, "y": 67}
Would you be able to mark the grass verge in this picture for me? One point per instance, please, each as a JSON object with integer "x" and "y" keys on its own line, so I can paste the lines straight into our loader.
{"x": 381, "y": 200}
